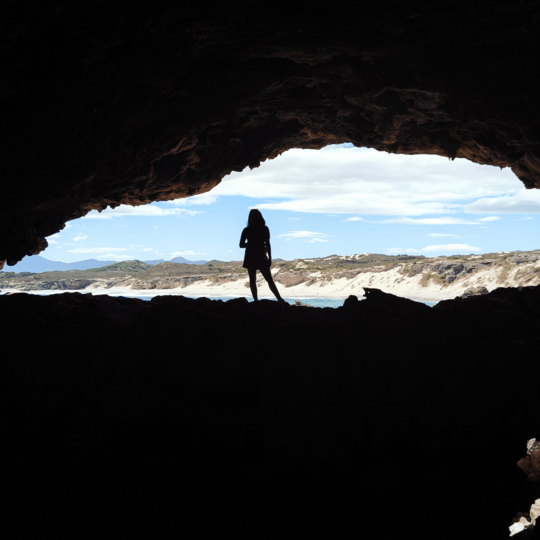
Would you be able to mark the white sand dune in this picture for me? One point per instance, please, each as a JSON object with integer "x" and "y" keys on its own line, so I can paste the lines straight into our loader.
{"x": 317, "y": 286}
{"x": 390, "y": 281}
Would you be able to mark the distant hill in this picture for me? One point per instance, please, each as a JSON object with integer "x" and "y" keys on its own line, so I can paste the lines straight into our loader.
{"x": 37, "y": 264}
{"x": 176, "y": 260}
{"x": 125, "y": 266}
{"x": 415, "y": 275}
{"x": 181, "y": 260}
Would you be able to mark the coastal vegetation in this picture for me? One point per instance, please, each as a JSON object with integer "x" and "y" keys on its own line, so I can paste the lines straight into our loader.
{"x": 505, "y": 272}
{"x": 432, "y": 276}
{"x": 505, "y": 268}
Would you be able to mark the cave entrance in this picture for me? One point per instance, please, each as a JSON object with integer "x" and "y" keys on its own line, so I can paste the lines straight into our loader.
{"x": 339, "y": 201}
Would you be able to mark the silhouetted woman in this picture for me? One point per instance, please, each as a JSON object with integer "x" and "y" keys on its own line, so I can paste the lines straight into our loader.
{"x": 256, "y": 239}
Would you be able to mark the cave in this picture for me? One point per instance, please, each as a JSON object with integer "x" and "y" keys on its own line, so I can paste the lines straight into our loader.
{"x": 207, "y": 419}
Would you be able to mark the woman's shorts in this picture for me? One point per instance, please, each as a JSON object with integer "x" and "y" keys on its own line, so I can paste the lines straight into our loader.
{"x": 255, "y": 258}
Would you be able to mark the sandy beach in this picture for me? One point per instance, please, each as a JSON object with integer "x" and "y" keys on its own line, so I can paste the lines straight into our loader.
{"x": 318, "y": 285}
{"x": 336, "y": 288}
{"x": 391, "y": 281}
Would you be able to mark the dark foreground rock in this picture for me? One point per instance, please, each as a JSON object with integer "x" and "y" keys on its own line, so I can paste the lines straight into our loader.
{"x": 206, "y": 419}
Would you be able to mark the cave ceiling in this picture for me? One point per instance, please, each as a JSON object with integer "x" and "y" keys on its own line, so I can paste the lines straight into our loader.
{"x": 107, "y": 103}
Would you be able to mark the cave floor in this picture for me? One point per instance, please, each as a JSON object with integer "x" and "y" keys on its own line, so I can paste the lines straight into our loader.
{"x": 206, "y": 418}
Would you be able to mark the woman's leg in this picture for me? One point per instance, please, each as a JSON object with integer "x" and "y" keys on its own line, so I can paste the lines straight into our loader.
{"x": 253, "y": 282}
{"x": 270, "y": 280}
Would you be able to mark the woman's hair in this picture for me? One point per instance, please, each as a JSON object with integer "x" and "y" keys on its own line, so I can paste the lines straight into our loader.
{"x": 255, "y": 218}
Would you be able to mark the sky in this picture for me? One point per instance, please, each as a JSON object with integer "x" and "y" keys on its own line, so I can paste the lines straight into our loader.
{"x": 339, "y": 200}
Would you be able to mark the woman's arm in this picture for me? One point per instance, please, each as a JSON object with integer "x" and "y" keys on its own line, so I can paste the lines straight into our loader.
{"x": 243, "y": 239}
{"x": 269, "y": 251}
{"x": 268, "y": 248}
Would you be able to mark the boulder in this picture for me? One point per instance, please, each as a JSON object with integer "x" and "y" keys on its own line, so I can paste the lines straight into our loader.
{"x": 474, "y": 291}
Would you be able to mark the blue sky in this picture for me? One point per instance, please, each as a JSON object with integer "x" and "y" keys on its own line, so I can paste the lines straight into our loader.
{"x": 338, "y": 200}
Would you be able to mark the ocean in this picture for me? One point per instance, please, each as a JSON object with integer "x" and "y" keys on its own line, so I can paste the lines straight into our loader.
{"x": 315, "y": 302}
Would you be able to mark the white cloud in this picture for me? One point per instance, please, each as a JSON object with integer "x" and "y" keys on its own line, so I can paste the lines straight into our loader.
{"x": 80, "y": 237}
{"x": 452, "y": 247}
{"x": 105, "y": 254}
{"x": 203, "y": 198}
{"x": 359, "y": 203}
{"x": 140, "y": 248}
{"x": 146, "y": 210}
{"x": 457, "y": 248}
{"x": 430, "y": 221}
{"x": 305, "y": 236}
{"x": 52, "y": 239}
{"x": 364, "y": 181}
{"x": 95, "y": 250}
{"x": 525, "y": 201}
{"x": 115, "y": 257}
{"x": 490, "y": 218}
{"x": 354, "y": 219}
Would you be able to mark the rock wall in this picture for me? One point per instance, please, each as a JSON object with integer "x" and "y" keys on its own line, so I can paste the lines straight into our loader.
{"x": 125, "y": 418}
{"x": 128, "y": 103}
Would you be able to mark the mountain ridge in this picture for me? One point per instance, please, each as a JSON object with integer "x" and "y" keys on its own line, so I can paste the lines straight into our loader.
{"x": 37, "y": 264}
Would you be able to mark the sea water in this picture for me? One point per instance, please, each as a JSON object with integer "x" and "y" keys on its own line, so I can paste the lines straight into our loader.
{"x": 315, "y": 302}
